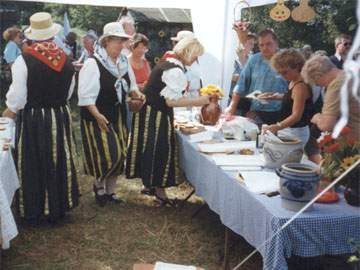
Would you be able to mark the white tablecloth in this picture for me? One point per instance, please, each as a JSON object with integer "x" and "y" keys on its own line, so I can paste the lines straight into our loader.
{"x": 9, "y": 183}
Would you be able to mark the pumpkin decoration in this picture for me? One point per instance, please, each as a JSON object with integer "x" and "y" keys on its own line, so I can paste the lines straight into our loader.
{"x": 303, "y": 13}
{"x": 280, "y": 12}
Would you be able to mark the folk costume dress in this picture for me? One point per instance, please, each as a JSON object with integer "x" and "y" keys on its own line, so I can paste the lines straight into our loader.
{"x": 44, "y": 148}
{"x": 152, "y": 152}
{"x": 105, "y": 84}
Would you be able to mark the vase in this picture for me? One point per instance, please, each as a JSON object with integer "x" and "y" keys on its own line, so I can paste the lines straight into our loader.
{"x": 298, "y": 185}
{"x": 352, "y": 190}
{"x": 279, "y": 153}
{"x": 330, "y": 196}
{"x": 211, "y": 112}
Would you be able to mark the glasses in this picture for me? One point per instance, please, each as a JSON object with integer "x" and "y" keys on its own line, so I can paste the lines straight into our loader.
{"x": 347, "y": 44}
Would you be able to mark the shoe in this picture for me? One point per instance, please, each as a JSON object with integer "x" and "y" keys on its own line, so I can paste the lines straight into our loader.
{"x": 161, "y": 202}
{"x": 148, "y": 191}
{"x": 112, "y": 198}
{"x": 100, "y": 199}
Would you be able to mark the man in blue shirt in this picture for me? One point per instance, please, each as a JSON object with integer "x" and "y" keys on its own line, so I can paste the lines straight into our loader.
{"x": 258, "y": 75}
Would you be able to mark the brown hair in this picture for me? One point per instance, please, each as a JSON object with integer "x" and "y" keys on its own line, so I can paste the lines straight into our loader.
{"x": 11, "y": 33}
{"x": 341, "y": 37}
{"x": 267, "y": 32}
{"x": 137, "y": 39}
{"x": 288, "y": 58}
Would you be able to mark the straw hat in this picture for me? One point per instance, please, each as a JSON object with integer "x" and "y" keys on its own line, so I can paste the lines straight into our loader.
{"x": 183, "y": 34}
{"x": 41, "y": 27}
{"x": 114, "y": 29}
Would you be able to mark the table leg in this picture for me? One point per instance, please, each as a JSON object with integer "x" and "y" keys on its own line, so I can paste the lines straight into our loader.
{"x": 225, "y": 265}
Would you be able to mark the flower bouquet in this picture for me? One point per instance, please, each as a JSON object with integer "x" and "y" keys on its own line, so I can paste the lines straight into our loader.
{"x": 211, "y": 112}
{"x": 339, "y": 154}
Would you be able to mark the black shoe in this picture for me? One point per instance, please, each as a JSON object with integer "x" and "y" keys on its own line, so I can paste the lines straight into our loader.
{"x": 112, "y": 198}
{"x": 161, "y": 202}
{"x": 100, "y": 199}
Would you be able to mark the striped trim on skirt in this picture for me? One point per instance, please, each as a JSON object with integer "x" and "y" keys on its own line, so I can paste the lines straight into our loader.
{"x": 153, "y": 151}
{"x": 104, "y": 152}
{"x": 45, "y": 157}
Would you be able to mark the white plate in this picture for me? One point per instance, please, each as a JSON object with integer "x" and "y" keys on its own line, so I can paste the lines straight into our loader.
{"x": 3, "y": 120}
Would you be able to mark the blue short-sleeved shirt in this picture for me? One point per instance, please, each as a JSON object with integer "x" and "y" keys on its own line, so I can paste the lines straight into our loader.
{"x": 258, "y": 75}
{"x": 11, "y": 52}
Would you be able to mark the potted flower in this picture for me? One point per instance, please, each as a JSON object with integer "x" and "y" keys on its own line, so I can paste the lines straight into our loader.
{"x": 340, "y": 154}
{"x": 211, "y": 112}
{"x": 354, "y": 260}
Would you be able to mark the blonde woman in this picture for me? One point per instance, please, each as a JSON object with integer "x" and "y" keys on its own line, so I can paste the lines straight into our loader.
{"x": 152, "y": 151}
{"x": 12, "y": 50}
{"x": 104, "y": 83}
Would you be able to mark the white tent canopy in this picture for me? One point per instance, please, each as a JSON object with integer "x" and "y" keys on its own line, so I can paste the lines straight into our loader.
{"x": 212, "y": 23}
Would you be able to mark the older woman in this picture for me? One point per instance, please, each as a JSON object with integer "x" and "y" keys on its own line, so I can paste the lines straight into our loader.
{"x": 104, "y": 82}
{"x": 42, "y": 83}
{"x": 152, "y": 152}
{"x": 296, "y": 110}
{"x": 12, "y": 50}
{"x": 140, "y": 66}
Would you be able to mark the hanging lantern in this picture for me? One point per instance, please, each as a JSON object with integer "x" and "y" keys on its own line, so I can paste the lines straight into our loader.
{"x": 303, "y": 13}
{"x": 280, "y": 12}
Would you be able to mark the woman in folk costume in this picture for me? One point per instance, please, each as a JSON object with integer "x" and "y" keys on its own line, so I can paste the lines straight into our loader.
{"x": 152, "y": 151}
{"x": 104, "y": 82}
{"x": 42, "y": 84}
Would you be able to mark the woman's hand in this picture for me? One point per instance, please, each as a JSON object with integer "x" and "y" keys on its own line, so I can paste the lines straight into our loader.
{"x": 8, "y": 113}
{"x": 102, "y": 122}
{"x": 272, "y": 128}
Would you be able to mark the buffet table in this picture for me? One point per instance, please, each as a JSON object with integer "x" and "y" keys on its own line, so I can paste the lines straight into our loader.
{"x": 9, "y": 183}
{"x": 324, "y": 230}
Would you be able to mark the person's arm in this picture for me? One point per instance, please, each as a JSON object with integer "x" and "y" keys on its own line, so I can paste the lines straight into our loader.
{"x": 89, "y": 88}
{"x": 11, "y": 52}
{"x": 241, "y": 29}
{"x": 300, "y": 93}
{"x": 16, "y": 96}
{"x": 188, "y": 102}
{"x": 324, "y": 122}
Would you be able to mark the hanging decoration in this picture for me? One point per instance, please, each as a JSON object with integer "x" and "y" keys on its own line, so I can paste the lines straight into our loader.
{"x": 303, "y": 13}
{"x": 239, "y": 16}
{"x": 280, "y": 12}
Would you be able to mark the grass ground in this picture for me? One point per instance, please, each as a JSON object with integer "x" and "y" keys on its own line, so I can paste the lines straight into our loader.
{"x": 117, "y": 236}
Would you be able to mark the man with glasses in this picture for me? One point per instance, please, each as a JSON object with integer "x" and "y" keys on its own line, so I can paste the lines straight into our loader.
{"x": 342, "y": 46}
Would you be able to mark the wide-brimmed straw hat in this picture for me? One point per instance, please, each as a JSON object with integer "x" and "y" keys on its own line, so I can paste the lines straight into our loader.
{"x": 41, "y": 27}
{"x": 114, "y": 29}
{"x": 183, "y": 34}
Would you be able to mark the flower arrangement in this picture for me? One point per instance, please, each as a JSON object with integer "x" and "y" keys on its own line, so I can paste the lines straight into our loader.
{"x": 212, "y": 89}
{"x": 339, "y": 154}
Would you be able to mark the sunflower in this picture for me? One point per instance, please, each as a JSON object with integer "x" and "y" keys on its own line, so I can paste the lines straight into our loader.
{"x": 348, "y": 161}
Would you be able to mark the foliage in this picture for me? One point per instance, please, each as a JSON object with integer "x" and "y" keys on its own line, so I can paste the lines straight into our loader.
{"x": 339, "y": 154}
{"x": 333, "y": 17}
{"x": 356, "y": 256}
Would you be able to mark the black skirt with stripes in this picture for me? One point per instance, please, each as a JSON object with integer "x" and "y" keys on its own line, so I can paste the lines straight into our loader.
{"x": 46, "y": 162}
{"x": 104, "y": 152}
{"x": 152, "y": 151}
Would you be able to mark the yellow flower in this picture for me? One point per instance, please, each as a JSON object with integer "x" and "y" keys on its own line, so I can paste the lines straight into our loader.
{"x": 348, "y": 161}
{"x": 161, "y": 33}
{"x": 211, "y": 89}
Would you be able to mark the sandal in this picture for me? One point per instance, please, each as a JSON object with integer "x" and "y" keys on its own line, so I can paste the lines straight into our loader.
{"x": 148, "y": 191}
{"x": 100, "y": 199}
{"x": 161, "y": 202}
{"x": 112, "y": 198}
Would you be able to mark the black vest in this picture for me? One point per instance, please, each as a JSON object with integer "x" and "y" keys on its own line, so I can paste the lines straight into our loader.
{"x": 155, "y": 85}
{"x": 107, "y": 101}
{"x": 46, "y": 87}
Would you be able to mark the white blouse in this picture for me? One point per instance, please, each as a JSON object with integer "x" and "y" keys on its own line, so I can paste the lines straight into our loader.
{"x": 89, "y": 82}
{"x": 16, "y": 97}
{"x": 175, "y": 80}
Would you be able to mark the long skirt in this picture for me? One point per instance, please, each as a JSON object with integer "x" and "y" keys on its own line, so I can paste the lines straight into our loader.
{"x": 153, "y": 151}
{"x": 104, "y": 152}
{"x": 45, "y": 154}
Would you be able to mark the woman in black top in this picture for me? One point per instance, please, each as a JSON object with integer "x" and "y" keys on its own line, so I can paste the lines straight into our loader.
{"x": 152, "y": 152}
{"x": 297, "y": 105}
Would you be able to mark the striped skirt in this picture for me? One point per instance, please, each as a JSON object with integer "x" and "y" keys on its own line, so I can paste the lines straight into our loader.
{"x": 104, "y": 152}
{"x": 152, "y": 151}
{"x": 45, "y": 158}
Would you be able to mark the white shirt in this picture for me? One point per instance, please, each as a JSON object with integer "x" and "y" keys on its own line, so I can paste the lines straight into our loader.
{"x": 89, "y": 82}
{"x": 175, "y": 80}
{"x": 16, "y": 97}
